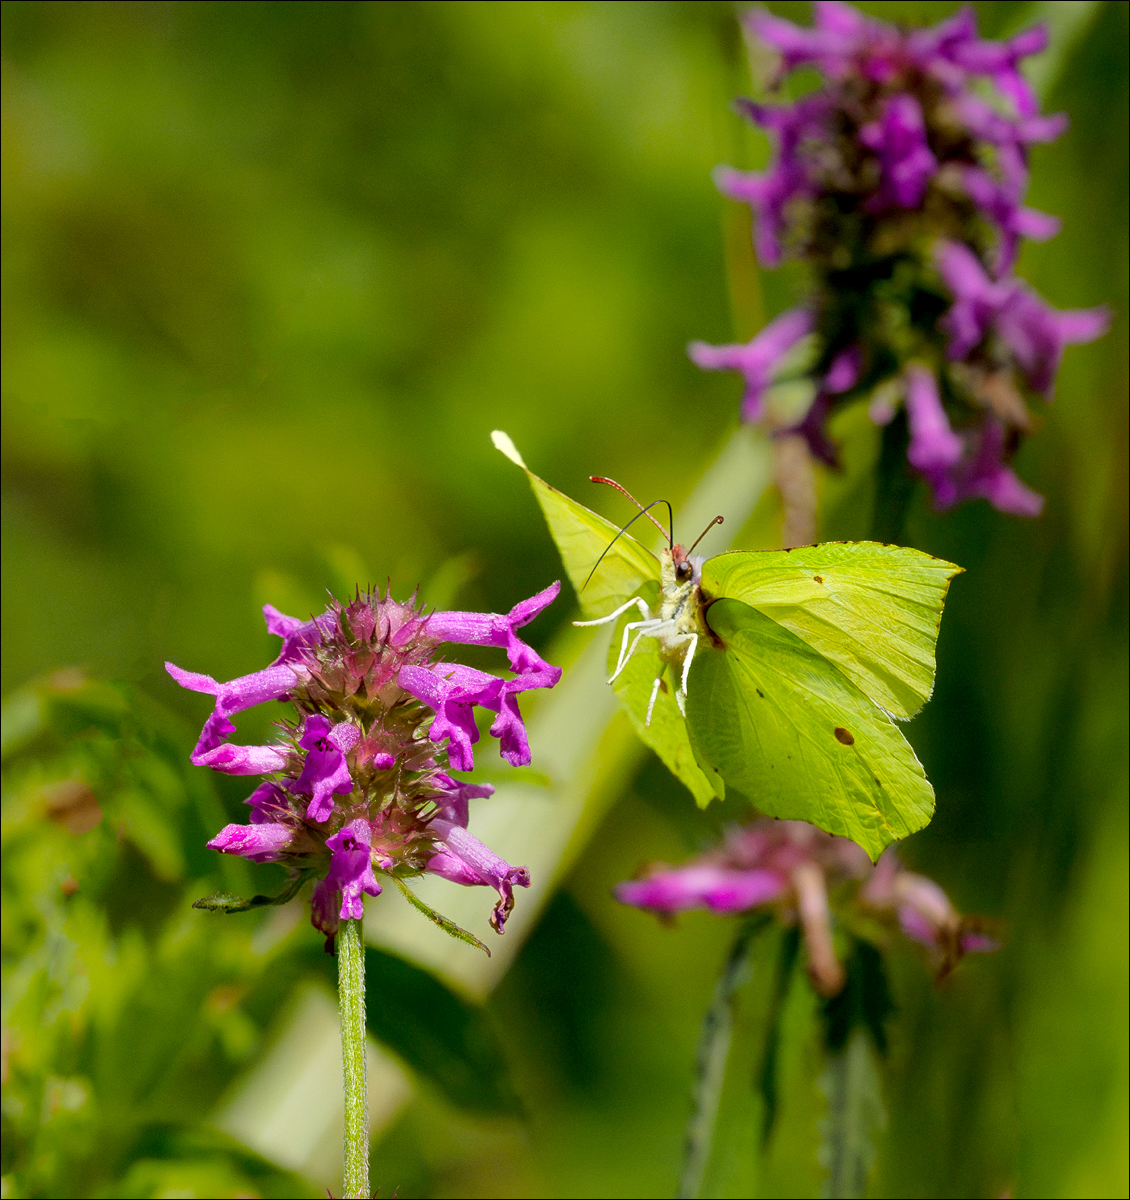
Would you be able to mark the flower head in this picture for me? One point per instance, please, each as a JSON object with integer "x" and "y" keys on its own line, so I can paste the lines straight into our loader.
{"x": 795, "y": 868}
{"x": 359, "y": 784}
{"x": 901, "y": 183}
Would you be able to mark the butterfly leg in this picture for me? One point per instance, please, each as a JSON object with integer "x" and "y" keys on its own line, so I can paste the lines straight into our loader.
{"x": 636, "y": 600}
{"x": 646, "y": 628}
{"x": 651, "y": 702}
{"x": 681, "y": 693}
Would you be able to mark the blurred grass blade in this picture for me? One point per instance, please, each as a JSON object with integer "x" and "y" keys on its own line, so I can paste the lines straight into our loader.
{"x": 712, "y": 1057}
{"x": 855, "y": 1113}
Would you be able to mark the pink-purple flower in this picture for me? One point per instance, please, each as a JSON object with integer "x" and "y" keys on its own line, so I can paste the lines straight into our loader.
{"x": 901, "y": 183}
{"x": 358, "y": 786}
{"x": 815, "y": 880}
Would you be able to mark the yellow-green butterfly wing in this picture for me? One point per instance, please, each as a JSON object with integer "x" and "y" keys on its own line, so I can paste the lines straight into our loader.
{"x": 582, "y": 536}
{"x": 797, "y": 737}
{"x": 872, "y": 609}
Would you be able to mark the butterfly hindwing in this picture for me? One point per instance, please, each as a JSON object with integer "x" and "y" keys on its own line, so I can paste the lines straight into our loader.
{"x": 582, "y": 536}
{"x": 798, "y": 738}
{"x": 871, "y": 609}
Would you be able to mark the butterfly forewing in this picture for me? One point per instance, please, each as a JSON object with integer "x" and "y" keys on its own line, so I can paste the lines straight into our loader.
{"x": 797, "y": 738}
{"x": 871, "y": 609}
{"x": 582, "y": 536}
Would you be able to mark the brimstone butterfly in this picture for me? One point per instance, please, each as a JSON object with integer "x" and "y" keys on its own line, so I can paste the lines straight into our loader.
{"x": 793, "y": 664}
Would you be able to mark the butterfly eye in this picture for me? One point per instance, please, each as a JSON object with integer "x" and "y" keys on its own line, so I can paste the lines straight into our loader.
{"x": 683, "y": 570}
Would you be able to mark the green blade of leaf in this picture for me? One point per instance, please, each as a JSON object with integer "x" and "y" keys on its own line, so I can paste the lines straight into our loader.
{"x": 582, "y": 536}
{"x": 448, "y": 926}
{"x": 873, "y": 610}
{"x": 784, "y": 727}
{"x": 667, "y": 732}
{"x": 227, "y": 903}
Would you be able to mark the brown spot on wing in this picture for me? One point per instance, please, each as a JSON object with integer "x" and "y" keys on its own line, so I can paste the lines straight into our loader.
{"x": 843, "y": 737}
{"x": 818, "y": 579}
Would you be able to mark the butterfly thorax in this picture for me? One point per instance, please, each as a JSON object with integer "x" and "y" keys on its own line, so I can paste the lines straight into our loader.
{"x": 680, "y": 603}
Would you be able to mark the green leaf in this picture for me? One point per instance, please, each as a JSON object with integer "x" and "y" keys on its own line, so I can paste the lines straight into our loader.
{"x": 873, "y": 610}
{"x": 227, "y": 903}
{"x": 582, "y": 536}
{"x": 667, "y": 732}
{"x": 784, "y": 727}
{"x": 447, "y": 925}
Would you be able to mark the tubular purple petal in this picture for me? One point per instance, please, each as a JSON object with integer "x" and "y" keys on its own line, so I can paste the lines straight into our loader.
{"x": 241, "y": 760}
{"x": 351, "y": 868}
{"x": 934, "y": 447}
{"x": 260, "y": 843}
{"x": 483, "y": 862}
{"x": 720, "y": 889}
{"x": 757, "y": 358}
{"x": 325, "y": 772}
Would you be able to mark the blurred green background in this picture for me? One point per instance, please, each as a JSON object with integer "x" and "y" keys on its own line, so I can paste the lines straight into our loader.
{"x": 272, "y": 272}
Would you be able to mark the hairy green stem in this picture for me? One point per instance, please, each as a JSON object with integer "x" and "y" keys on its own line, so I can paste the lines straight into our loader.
{"x": 351, "y": 994}
{"x": 710, "y": 1062}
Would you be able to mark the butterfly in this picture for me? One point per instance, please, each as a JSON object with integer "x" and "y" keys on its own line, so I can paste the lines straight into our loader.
{"x": 779, "y": 674}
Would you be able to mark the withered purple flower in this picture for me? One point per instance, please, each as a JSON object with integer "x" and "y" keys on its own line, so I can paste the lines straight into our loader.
{"x": 901, "y": 183}
{"x": 814, "y": 879}
{"x": 359, "y": 784}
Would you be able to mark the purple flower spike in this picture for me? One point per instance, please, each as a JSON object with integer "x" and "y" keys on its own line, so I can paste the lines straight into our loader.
{"x": 902, "y": 155}
{"x": 906, "y": 160}
{"x": 355, "y": 674}
{"x": 260, "y": 843}
{"x": 756, "y": 359}
{"x": 805, "y": 875}
{"x": 466, "y": 860}
{"x": 325, "y": 772}
{"x": 934, "y": 447}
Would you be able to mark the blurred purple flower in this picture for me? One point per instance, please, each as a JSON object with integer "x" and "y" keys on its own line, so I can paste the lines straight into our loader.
{"x": 794, "y": 867}
{"x": 899, "y": 152}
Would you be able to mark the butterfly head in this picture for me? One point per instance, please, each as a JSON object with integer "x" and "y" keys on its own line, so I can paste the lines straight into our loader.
{"x": 687, "y": 569}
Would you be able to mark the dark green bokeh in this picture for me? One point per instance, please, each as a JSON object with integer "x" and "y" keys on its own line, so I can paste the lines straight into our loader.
{"x": 272, "y": 273}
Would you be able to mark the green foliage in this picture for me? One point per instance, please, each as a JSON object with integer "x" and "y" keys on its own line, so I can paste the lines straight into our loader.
{"x": 126, "y": 1013}
{"x": 271, "y": 273}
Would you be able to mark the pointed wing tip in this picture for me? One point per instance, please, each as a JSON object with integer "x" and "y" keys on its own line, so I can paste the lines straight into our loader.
{"x": 504, "y": 443}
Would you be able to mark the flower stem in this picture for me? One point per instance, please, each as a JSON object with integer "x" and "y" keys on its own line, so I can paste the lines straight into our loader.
{"x": 710, "y": 1062}
{"x": 894, "y": 484}
{"x": 351, "y": 993}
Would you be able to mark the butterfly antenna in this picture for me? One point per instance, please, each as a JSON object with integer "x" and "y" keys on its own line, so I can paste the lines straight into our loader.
{"x": 716, "y": 521}
{"x": 669, "y": 533}
{"x": 644, "y": 512}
